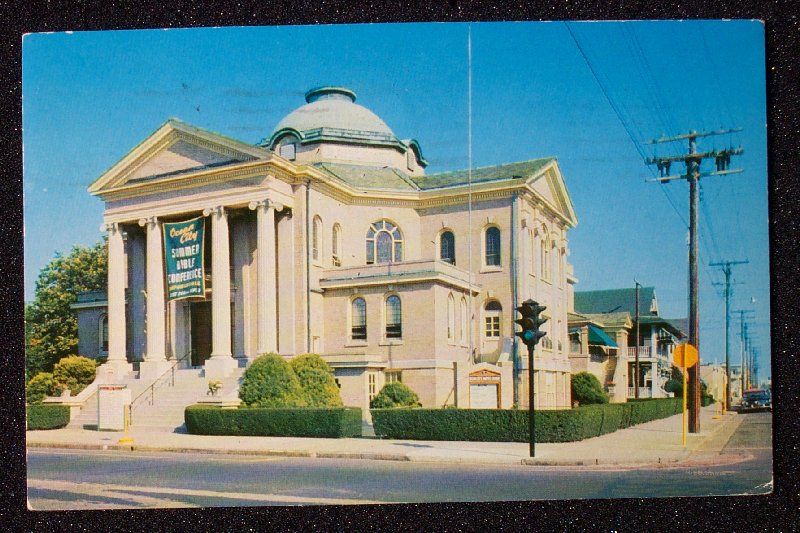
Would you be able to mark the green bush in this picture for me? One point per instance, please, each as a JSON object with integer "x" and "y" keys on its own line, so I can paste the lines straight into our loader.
{"x": 269, "y": 381}
{"x": 316, "y": 380}
{"x": 510, "y": 425}
{"x": 74, "y": 373}
{"x": 395, "y": 394}
{"x": 586, "y": 389}
{"x": 45, "y": 416}
{"x": 251, "y": 421}
{"x": 38, "y": 387}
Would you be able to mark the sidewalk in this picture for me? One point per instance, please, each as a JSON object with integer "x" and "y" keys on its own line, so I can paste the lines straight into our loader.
{"x": 657, "y": 442}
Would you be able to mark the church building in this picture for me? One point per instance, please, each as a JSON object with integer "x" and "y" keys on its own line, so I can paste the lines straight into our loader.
{"x": 330, "y": 237}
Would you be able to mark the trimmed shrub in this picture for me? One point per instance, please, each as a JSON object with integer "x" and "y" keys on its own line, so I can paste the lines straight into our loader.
{"x": 46, "y": 416}
{"x": 586, "y": 389}
{"x": 74, "y": 373}
{"x": 317, "y": 381}
{"x": 38, "y": 387}
{"x": 251, "y": 421}
{"x": 511, "y": 425}
{"x": 395, "y": 394}
{"x": 269, "y": 381}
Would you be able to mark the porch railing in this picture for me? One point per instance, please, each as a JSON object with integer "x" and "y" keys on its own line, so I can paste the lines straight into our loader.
{"x": 149, "y": 394}
{"x": 644, "y": 392}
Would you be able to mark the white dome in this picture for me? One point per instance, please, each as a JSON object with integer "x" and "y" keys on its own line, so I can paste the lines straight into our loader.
{"x": 333, "y": 107}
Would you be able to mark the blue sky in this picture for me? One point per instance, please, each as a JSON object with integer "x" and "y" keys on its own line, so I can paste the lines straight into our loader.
{"x": 89, "y": 97}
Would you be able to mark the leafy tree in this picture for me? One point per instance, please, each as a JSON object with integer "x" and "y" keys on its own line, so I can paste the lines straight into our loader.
{"x": 74, "y": 373}
{"x": 41, "y": 385}
{"x": 51, "y": 328}
{"x": 316, "y": 379}
{"x": 269, "y": 381}
{"x": 675, "y": 383}
{"x": 395, "y": 394}
{"x": 586, "y": 389}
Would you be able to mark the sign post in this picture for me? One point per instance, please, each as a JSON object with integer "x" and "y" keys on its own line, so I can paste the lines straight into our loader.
{"x": 685, "y": 356}
{"x": 183, "y": 254}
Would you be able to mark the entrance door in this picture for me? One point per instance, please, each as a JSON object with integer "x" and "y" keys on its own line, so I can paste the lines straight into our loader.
{"x": 201, "y": 332}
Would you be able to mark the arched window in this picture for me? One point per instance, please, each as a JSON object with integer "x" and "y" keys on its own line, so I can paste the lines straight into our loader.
{"x": 447, "y": 247}
{"x": 103, "y": 335}
{"x": 464, "y": 318}
{"x": 316, "y": 238}
{"x": 492, "y": 251}
{"x": 491, "y": 316}
{"x": 451, "y": 318}
{"x": 545, "y": 253}
{"x": 531, "y": 252}
{"x": 336, "y": 239}
{"x": 384, "y": 243}
{"x": 358, "y": 319}
{"x": 394, "y": 318}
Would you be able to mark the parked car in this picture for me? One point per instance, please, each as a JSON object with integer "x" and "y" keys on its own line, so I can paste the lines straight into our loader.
{"x": 756, "y": 400}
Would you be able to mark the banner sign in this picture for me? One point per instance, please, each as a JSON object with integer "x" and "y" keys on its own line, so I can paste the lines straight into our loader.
{"x": 183, "y": 254}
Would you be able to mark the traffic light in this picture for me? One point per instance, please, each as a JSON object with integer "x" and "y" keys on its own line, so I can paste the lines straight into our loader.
{"x": 530, "y": 323}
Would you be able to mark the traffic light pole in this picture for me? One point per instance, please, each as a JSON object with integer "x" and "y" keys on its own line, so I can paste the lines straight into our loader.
{"x": 531, "y": 387}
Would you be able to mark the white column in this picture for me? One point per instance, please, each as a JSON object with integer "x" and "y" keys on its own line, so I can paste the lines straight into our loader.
{"x": 221, "y": 363}
{"x": 267, "y": 283}
{"x": 117, "y": 358}
{"x": 155, "y": 357}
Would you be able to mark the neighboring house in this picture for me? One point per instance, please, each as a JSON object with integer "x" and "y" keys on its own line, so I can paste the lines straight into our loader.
{"x": 614, "y": 311}
{"x": 713, "y": 375}
{"x": 339, "y": 243}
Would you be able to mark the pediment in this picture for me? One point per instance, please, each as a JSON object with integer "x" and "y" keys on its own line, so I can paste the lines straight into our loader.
{"x": 550, "y": 187}
{"x": 175, "y": 148}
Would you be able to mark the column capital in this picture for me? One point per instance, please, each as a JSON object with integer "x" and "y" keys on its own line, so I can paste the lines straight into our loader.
{"x": 148, "y": 221}
{"x": 265, "y": 203}
{"x": 216, "y": 210}
{"x": 112, "y": 227}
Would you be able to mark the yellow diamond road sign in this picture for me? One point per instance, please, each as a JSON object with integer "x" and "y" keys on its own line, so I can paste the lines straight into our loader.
{"x": 685, "y": 355}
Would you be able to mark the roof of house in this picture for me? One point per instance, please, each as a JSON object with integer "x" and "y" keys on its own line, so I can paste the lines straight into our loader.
{"x": 615, "y": 300}
{"x": 611, "y": 319}
{"x": 519, "y": 170}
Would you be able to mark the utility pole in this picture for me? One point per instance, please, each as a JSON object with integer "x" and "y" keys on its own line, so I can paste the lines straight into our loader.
{"x": 692, "y": 161}
{"x": 636, "y": 346}
{"x": 726, "y": 269}
{"x": 743, "y": 338}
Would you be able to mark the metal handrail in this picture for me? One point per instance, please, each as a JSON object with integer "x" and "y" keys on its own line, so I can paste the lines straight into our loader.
{"x": 152, "y": 387}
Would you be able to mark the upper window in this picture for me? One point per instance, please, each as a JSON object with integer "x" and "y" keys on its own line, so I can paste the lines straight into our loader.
{"x": 289, "y": 151}
{"x": 384, "y": 243}
{"x": 532, "y": 252}
{"x": 316, "y": 238}
{"x": 492, "y": 312}
{"x": 394, "y": 318}
{"x": 464, "y": 317}
{"x": 545, "y": 257}
{"x": 447, "y": 247}
{"x": 451, "y": 317}
{"x": 492, "y": 252}
{"x": 336, "y": 239}
{"x": 358, "y": 319}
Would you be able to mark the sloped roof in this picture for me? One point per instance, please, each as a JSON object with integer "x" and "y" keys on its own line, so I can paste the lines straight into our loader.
{"x": 368, "y": 177}
{"x": 681, "y": 324}
{"x": 520, "y": 170}
{"x": 611, "y": 319}
{"x": 614, "y": 300}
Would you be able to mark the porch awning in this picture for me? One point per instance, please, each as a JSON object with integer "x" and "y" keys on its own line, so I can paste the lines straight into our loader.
{"x": 598, "y": 336}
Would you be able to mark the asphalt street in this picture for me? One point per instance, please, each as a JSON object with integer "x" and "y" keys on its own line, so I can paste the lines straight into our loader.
{"x": 82, "y": 479}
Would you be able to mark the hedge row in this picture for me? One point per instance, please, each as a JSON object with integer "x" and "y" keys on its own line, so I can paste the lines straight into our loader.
{"x": 274, "y": 422}
{"x": 47, "y": 416}
{"x": 511, "y": 425}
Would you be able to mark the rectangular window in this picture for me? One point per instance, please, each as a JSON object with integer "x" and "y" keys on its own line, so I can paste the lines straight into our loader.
{"x": 372, "y": 385}
{"x": 289, "y": 151}
{"x": 493, "y": 326}
{"x": 394, "y": 376}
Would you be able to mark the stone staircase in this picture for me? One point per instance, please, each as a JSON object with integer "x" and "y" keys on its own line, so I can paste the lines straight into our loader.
{"x": 169, "y": 400}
